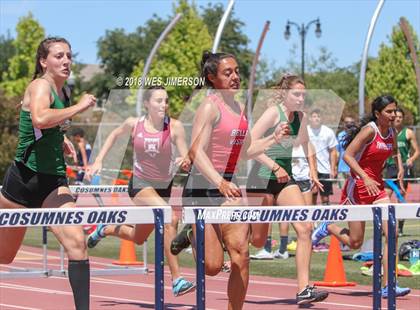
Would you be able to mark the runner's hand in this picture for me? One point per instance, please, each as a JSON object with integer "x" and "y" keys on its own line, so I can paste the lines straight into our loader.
{"x": 318, "y": 184}
{"x": 184, "y": 163}
{"x": 409, "y": 163}
{"x": 229, "y": 190}
{"x": 69, "y": 149}
{"x": 93, "y": 169}
{"x": 281, "y": 174}
{"x": 87, "y": 101}
{"x": 400, "y": 178}
{"x": 371, "y": 186}
{"x": 282, "y": 130}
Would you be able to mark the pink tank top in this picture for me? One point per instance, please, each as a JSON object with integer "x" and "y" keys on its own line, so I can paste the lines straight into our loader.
{"x": 227, "y": 138}
{"x": 152, "y": 152}
{"x": 374, "y": 154}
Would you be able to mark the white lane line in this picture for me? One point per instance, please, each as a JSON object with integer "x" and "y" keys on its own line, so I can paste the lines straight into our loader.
{"x": 37, "y": 290}
{"x": 225, "y": 279}
{"x": 42, "y": 290}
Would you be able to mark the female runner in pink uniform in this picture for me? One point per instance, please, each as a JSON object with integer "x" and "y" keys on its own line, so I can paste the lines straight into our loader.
{"x": 155, "y": 137}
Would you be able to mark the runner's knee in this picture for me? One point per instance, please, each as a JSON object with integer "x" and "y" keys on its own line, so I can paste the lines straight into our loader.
{"x": 355, "y": 243}
{"x": 76, "y": 247}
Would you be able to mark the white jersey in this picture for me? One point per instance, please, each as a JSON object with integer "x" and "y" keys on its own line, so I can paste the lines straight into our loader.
{"x": 324, "y": 140}
{"x": 300, "y": 165}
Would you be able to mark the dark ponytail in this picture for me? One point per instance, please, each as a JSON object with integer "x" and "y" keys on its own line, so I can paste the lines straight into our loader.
{"x": 209, "y": 64}
{"x": 43, "y": 51}
{"x": 378, "y": 105}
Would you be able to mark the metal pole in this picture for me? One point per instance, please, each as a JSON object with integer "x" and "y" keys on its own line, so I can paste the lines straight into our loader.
{"x": 44, "y": 250}
{"x": 222, "y": 26}
{"x": 201, "y": 274}
{"x": 365, "y": 57}
{"x": 406, "y": 30}
{"x": 302, "y": 34}
{"x": 392, "y": 258}
{"x": 377, "y": 257}
{"x": 149, "y": 61}
{"x": 62, "y": 270}
{"x": 159, "y": 266}
{"x": 249, "y": 104}
{"x": 145, "y": 256}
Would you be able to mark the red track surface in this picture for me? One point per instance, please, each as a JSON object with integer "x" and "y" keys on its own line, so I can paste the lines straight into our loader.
{"x": 137, "y": 291}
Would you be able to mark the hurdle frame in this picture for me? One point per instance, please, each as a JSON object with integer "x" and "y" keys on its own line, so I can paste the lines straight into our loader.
{"x": 379, "y": 212}
{"x": 159, "y": 215}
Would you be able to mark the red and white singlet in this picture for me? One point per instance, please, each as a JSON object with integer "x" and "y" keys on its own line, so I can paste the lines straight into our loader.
{"x": 371, "y": 159}
{"x": 153, "y": 158}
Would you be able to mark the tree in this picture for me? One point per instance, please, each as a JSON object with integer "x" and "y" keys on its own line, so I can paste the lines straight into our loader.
{"x": 7, "y": 51}
{"x": 233, "y": 39}
{"x": 180, "y": 55}
{"x": 323, "y": 73}
{"x": 393, "y": 72}
{"x": 120, "y": 52}
{"x": 8, "y": 131}
{"x": 22, "y": 64}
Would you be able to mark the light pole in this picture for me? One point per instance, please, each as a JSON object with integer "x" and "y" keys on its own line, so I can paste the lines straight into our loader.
{"x": 303, "y": 30}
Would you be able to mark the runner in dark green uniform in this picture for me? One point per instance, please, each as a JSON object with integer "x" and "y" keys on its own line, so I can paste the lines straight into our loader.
{"x": 37, "y": 177}
{"x": 42, "y": 147}
{"x": 272, "y": 174}
{"x": 409, "y": 150}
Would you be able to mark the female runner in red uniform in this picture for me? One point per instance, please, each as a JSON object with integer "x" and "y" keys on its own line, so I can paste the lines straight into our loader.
{"x": 367, "y": 149}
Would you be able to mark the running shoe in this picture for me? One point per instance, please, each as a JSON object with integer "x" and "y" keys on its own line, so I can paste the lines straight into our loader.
{"x": 96, "y": 236}
{"x": 181, "y": 286}
{"x": 310, "y": 294}
{"x": 292, "y": 246}
{"x": 182, "y": 240}
{"x": 320, "y": 232}
{"x": 262, "y": 254}
{"x": 399, "y": 291}
{"x": 226, "y": 266}
{"x": 284, "y": 255}
{"x": 320, "y": 247}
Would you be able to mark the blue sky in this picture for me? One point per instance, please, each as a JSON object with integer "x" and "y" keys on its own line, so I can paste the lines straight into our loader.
{"x": 344, "y": 23}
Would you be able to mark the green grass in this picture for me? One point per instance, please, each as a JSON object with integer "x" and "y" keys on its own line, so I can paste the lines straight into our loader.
{"x": 109, "y": 248}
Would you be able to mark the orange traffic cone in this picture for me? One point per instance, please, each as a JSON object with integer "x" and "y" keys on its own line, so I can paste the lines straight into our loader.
{"x": 334, "y": 273}
{"x": 127, "y": 254}
{"x": 114, "y": 196}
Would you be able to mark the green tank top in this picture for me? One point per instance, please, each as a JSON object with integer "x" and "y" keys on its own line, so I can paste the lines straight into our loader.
{"x": 281, "y": 153}
{"x": 403, "y": 147}
{"x": 44, "y": 146}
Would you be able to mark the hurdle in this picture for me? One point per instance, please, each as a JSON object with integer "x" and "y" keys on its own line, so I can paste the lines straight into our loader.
{"x": 96, "y": 191}
{"x": 201, "y": 215}
{"x": 159, "y": 215}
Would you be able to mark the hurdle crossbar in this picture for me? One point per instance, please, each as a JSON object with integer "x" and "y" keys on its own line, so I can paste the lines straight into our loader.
{"x": 159, "y": 215}
{"x": 201, "y": 215}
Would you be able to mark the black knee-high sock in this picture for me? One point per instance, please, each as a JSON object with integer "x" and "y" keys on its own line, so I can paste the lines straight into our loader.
{"x": 79, "y": 277}
{"x": 267, "y": 245}
{"x": 283, "y": 244}
{"x": 400, "y": 226}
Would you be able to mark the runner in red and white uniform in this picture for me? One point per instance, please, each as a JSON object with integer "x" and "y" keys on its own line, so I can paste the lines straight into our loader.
{"x": 367, "y": 149}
